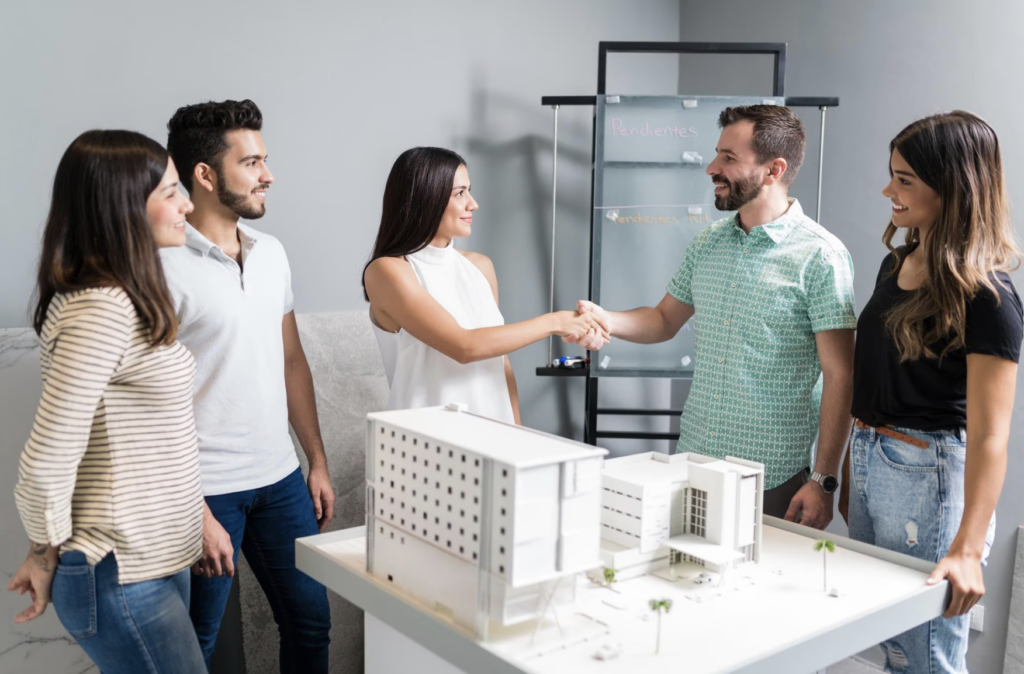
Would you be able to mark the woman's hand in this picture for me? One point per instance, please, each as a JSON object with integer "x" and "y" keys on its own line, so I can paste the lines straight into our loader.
{"x": 35, "y": 576}
{"x": 963, "y": 571}
{"x": 573, "y": 325}
{"x": 593, "y": 340}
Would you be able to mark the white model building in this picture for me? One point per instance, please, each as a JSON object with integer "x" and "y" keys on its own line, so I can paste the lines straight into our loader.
{"x": 477, "y": 519}
{"x": 659, "y": 509}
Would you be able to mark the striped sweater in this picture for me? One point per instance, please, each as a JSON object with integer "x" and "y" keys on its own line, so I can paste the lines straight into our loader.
{"x": 112, "y": 464}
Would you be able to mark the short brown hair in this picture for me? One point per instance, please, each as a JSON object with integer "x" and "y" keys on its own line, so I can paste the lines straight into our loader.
{"x": 777, "y": 133}
{"x": 196, "y": 133}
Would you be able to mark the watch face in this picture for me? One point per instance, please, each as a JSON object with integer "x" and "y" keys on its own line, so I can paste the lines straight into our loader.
{"x": 830, "y": 484}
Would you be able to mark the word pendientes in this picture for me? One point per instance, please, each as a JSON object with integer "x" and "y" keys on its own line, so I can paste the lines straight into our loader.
{"x": 620, "y": 129}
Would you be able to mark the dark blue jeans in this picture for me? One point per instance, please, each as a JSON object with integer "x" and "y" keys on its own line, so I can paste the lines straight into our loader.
{"x": 126, "y": 629}
{"x": 264, "y": 524}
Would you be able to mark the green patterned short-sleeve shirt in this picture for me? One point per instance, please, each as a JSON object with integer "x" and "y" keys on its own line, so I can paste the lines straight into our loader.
{"x": 758, "y": 301}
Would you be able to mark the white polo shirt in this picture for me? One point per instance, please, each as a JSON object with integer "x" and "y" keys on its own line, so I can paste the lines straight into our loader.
{"x": 230, "y": 319}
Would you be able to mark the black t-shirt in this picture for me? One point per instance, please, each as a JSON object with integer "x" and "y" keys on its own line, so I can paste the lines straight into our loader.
{"x": 927, "y": 395}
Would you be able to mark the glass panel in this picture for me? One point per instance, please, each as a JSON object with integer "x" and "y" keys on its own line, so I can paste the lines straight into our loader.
{"x": 651, "y": 197}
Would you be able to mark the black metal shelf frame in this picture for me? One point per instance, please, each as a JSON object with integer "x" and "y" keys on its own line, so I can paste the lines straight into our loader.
{"x": 775, "y": 49}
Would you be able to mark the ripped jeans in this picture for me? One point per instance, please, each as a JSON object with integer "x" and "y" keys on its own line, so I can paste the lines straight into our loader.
{"x": 911, "y": 499}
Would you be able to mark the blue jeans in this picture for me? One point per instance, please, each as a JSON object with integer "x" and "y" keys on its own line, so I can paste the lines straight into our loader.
{"x": 911, "y": 500}
{"x": 264, "y": 524}
{"x": 132, "y": 628}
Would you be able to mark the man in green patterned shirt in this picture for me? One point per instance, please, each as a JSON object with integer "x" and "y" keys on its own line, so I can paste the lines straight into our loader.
{"x": 771, "y": 293}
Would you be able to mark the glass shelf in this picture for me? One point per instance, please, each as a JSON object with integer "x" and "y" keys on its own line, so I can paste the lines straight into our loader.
{"x": 652, "y": 196}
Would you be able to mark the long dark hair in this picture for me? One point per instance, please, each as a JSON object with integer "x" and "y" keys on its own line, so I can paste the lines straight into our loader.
{"x": 957, "y": 155}
{"x": 415, "y": 197}
{"x": 98, "y": 233}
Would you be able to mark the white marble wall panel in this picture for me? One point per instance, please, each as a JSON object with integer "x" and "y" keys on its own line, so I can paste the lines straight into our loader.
{"x": 350, "y": 382}
{"x": 41, "y": 645}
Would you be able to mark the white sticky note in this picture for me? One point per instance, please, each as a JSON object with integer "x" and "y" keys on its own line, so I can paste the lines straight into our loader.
{"x": 612, "y": 215}
{"x": 689, "y": 102}
{"x": 686, "y": 361}
{"x": 694, "y": 210}
{"x": 604, "y": 362}
{"x": 611, "y": 99}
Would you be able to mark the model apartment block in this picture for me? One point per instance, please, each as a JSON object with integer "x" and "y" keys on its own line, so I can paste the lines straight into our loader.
{"x": 659, "y": 509}
{"x": 479, "y": 520}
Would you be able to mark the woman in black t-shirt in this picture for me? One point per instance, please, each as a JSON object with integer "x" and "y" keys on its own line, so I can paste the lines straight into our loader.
{"x": 935, "y": 374}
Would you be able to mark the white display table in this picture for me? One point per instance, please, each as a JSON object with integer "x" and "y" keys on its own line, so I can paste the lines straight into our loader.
{"x": 771, "y": 617}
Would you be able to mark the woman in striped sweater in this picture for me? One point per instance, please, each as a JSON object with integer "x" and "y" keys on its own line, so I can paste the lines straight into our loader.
{"x": 109, "y": 478}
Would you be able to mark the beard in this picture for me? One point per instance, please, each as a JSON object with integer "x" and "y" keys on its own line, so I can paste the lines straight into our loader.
{"x": 741, "y": 192}
{"x": 240, "y": 204}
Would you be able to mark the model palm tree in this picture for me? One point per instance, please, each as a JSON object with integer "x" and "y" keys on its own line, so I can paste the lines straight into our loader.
{"x": 659, "y": 605}
{"x": 823, "y": 545}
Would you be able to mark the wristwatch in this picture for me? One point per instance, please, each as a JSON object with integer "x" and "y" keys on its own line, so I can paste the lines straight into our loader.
{"x": 828, "y": 483}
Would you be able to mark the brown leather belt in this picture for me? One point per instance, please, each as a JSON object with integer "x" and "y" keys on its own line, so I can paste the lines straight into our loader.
{"x": 896, "y": 435}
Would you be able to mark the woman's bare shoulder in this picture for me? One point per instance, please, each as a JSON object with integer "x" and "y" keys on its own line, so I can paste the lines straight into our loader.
{"x": 480, "y": 261}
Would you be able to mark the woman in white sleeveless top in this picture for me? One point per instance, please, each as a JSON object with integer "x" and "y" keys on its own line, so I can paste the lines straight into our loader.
{"x": 434, "y": 308}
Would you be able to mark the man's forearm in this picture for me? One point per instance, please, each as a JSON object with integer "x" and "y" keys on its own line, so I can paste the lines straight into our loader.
{"x": 644, "y": 325}
{"x": 302, "y": 414}
{"x": 835, "y": 420}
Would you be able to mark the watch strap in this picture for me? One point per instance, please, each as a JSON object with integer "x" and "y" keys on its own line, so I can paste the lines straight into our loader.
{"x": 820, "y": 479}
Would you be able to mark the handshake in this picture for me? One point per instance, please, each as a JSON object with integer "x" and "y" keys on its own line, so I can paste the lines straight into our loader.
{"x": 590, "y": 326}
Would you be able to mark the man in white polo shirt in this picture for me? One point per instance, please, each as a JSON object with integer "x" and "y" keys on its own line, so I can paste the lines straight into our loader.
{"x": 232, "y": 290}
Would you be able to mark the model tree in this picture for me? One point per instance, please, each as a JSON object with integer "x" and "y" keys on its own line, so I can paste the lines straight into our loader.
{"x": 609, "y": 576}
{"x": 824, "y": 546}
{"x": 660, "y": 605}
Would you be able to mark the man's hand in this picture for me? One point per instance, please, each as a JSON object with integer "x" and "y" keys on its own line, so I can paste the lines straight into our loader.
{"x": 322, "y": 493}
{"x": 218, "y": 553}
{"x": 813, "y": 505}
{"x": 35, "y": 576}
{"x": 964, "y": 573}
{"x": 592, "y": 341}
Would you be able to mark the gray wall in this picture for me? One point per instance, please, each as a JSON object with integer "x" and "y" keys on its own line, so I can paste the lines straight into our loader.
{"x": 345, "y": 87}
{"x": 890, "y": 63}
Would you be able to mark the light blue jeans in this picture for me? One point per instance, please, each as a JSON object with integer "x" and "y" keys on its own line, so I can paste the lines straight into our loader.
{"x": 136, "y": 628}
{"x": 911, "y": 499}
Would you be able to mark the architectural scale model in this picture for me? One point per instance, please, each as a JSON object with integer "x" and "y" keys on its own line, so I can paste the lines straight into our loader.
{"x": 479, "y": 520}
{"x": 489, "y": 528}
{"x": 663, "y": 509}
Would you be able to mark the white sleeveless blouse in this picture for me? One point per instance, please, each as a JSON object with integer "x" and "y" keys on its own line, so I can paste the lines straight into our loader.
{"x": 420, "y": 376}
